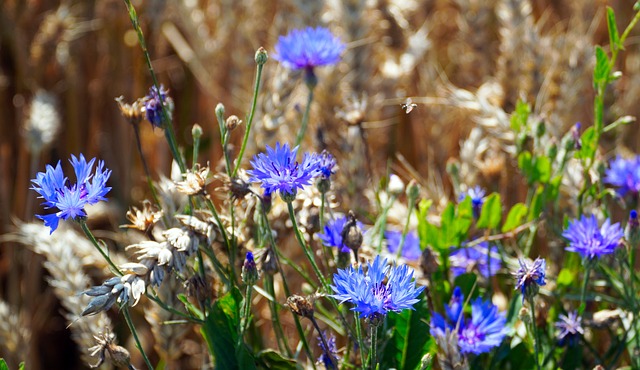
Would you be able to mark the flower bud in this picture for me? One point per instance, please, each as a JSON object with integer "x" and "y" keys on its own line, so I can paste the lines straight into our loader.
{"x": 196, "y": 131}
{"x": 396, "y": 186}
{"x": 413, "y": 190}
{"x": 540, "y": 129}
{"x": 351, "y": 233}
{"x": 632, "y": 230}
{"x": 249, "y": 270}
{"x": 261, "y": 56}
{"x": 524, "y": 315}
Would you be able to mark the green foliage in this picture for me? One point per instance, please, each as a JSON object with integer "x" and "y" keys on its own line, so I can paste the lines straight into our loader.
{"x": 3, "y": 364}
{"x": 535, "y": 168}
{"x": 516, "y": 216}
{"x": 410, "y": 339}
{"x": 589, "y": 144}
{"x": 602, "y": 68}
{"x": 220, "y": 331}
{"x": 491, "y": 213}
{"x": 614, "y": 35}
{"x": 520, "y": 116}
{"x": 272, "y": 360}
{"x": 454, "y": 226}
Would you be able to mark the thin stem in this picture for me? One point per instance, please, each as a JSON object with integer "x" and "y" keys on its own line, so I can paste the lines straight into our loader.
{"x": 374, "y": 344}
{"x": 127, "y": 317}
{"x": 305, "y": 117}
{"x": 306, "y": 248}
{"x": 168, "y": 129}
{"x": 534, "y": 328}
{"x": 275, "y": 317}
{"x": 583, "y": 292}
{"x": 213, "y": 211}
{"x": 382, "y": 222}
{"x": 89, "y": 234}
{"x": 254, "y": 102}
{"x": 246, "y": 312}
{"x": 324, "y": 342}
{"x": 172, "y": 310}
{"x": 359, "y": 339}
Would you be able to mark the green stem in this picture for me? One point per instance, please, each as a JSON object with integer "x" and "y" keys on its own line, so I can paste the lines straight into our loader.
{"x": 324, "y": 343}
{"x": 534, "y": 328}
{"x": 127, "y": 317}
{"x": 172, "y": 310}
{"x": 382, "y": 222}
{"x": 254, "y": 102}
{"x": 374, "y": 344}
{"x": 583, "y": 292}
{"x": 359, "y": 339}
{"x": 275, "y": 317}
{"x": 227, "y": 244}
{"x": 246, "y": 313}
{"x": 168, "y": 129}
{"x": 305, "y": 117}
{"x": 306, "y": 249}
{"x": 87, "y": 232}
{"x": 405, "y": 230}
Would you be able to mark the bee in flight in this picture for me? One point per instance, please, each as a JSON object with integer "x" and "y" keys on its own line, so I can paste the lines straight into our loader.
{"x": 408, "y": 105}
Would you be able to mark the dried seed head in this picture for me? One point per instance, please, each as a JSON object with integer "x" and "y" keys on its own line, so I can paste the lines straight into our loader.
{"x": 134, "y": 113}
{"x": 232, "y": 122}
{"x": 119, "y": 356}
{"x": 301, "y": 306}
{"x": 194, "y": 181}
{"x": 144, "y": 219}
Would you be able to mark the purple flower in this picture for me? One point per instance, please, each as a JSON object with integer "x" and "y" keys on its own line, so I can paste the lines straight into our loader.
{"x": 308, "y": 48}
{"x": 531, "y": 276}
{"x": 467, "y": 259}
{"x": 332, "y": 235}
{"x": 327, "y": 164}
{"x": 153, "y": 105}
{"x": 378, "y": 290}
{"x": 570, "y": 327}
{"x": 410, "y": 249}
{"x": 68, "y": 199}
{"x": 278, "y": 170}
{"x": 591, "y": 241}
{"x": 329, "y": 356}
{"x": 624, "y": 174}
{"x": 484, "y": 331}
{"x": 477, "y": 195}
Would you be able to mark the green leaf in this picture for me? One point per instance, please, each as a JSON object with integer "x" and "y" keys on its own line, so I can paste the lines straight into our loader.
{"x": 520, "y": 116}
{"x": 21, "y": 366}
{"x": 565, "y": 277}
{"x": 542, "y": 172}
{"x": 614, "y": 35}
{"x": 602, "y": 68}
{"x": 190, "y": 307}
{"x": 589, "y": 144}
{"x": 515, "y": 217}
{"x": 424, "y": 233}
{"x": 220, "y": 331}
{"x": 272, "y": 360}
{"x": 491, "y": 213}
{"x": 3, "y": 364}
{"x": 537, "y": 202}
{"x": 410, "y": 339}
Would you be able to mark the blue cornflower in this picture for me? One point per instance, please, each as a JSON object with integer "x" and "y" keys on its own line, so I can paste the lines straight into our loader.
{"x": 327, "y": 164}
{"x": 410, "y": 249}
{"x": 477, "y": 195}
{"x": 467, "y": 259}
{"x": 591, "y": 241}
{"x": 625, "y": 174}
{"x": 329, "y": 356}
{"x": 308, "y": 48}
{"x": 153, "y": 106}
{"x": 484, "y": 331}
{"x": 531, "y": 276}
{"x": 570, "y": 327}
{"x": 332, "y": 235}
{"x": 369, "y": 293}
{"x": 68, "y": 199}
{"x": 278, "y": 170}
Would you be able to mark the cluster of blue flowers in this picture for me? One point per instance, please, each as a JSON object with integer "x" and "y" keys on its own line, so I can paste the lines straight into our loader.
{"x": 478, "y": 334}
{"x": 70, "y": 200}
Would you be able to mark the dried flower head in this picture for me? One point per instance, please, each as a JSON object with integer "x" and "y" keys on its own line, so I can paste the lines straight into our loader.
{"x": 43, "y": 123}
{"x": 106, "y": 344}
{"x": 69, "y": 200}
{"x": 332, "y": 233}
{"x": 143, "y": 219}
{"x": 194, "y": 181}
{"x": 134, "y": 112}
{"x": 301, "y": 306}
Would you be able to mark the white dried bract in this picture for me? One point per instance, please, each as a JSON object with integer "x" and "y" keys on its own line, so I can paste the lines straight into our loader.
{"x": 194, "y": 181}
{"x": 126, "y": 290}
{"x": 143, "y": 219}
{"x": 43, "y": 123}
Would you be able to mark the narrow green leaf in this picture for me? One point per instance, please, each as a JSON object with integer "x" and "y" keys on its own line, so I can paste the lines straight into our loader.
{"x": 516, "y": 215}
{"x": 491, "y": 213}
{"x": 272, "y": 360}
{"x": 537, "y": 202}
{"x": 423, "y": 225}
{"x": 614, "y": 35}
{"x": 602, "y": 68}
{"x": 520, "y": 116}
{"x": 190, "y": 307}
{"x": 3, "y": 364}
{"x": 566, "y": 277}
{"x": 589, "y": 144}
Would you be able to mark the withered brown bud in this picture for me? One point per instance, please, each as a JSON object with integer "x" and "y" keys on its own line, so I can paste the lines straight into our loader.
{"x": 232, "y": 122}
{"x": 351, "y": 233}
{"x": 428, "y": 262}
{"x": 134, "y": 113}
{"x": 301, "y": 306}
{"x": 120, "y": 356}
{"x": 198, "y": 288}
{"x": 238, "y": 188}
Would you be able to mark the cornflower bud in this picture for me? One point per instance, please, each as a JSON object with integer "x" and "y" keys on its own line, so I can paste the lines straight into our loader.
{"x": 249, "y": 270}
{"x": 351, "y": 234}
{"x": 261, "y": 56}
